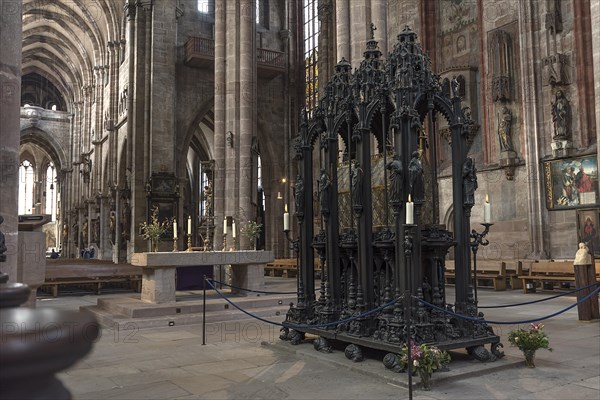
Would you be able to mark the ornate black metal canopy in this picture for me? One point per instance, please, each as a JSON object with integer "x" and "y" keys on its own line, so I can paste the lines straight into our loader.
{"x": 372, "y": 257}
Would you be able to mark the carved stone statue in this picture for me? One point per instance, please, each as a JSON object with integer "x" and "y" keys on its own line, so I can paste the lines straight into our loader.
{"x": 299, "y": 193}
{"x": 324, "y": 184}
{"x": 208, "y": 199}
{"x": 395, "y": 167}
{"x": 504, "y": 129}
{"x": 582, "y": 257}
{"x": 357, "y": 180}
{"x": 415, "y": 178}
{"x": 561, "y": 117}
{"x": 112, "y": 226}
{"x": 469, "y": 174}
{"x": 455, "y": 86}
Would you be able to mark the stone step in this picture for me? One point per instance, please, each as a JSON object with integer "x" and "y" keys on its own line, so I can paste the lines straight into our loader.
{"x": 134, "y": 308}
{"x": 123, "y": 323}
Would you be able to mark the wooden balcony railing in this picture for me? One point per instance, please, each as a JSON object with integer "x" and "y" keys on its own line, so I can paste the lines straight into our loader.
{"x": 200, "y": 52}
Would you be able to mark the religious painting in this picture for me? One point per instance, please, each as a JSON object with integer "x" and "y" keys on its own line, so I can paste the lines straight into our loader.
{"x": 571, "y": 182}
{"x": 587, "y": 229}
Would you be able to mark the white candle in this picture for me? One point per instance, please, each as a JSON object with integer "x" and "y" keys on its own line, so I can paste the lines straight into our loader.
{"x": 410, "y": 212}
{"x": 233, "y": 229}
{"x": 225, "y": 226}
{"x": 189, "y": 225}
{"x": 487, "y": 210}
{"x": 174, "y": 229}
{"x": 286, "y": 219}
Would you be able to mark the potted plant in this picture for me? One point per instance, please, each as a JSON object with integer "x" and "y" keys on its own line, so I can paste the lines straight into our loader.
{"x": 425, "y": 361}
{"x": 528, "y": 341}
{"x": 153, "y": 231}
{"x": 251, "y": 230}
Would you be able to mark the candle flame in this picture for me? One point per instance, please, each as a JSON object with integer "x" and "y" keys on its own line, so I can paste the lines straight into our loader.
{"x": 286, "y": 208}
{"x": 487, "y": 200}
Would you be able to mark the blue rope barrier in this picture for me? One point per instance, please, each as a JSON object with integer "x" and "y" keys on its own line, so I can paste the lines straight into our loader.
{"x": 545, "y": 299}
{"x": 248, "y": 290}
{"x": 304, "y": 326}
{"x": 480, "y": 320}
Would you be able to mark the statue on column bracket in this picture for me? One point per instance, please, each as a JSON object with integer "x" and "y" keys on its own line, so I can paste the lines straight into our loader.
{"x": 395, "y": 167}
{"x": 469, "y": 174}
{"x": 357, "y": 179}
{"x": 415, "y": 178}
{"x": 561, "y": 117}
{"x": 299, "y": 193}
{"x": 324, "y": 184}
{"x": 504, "y": 129}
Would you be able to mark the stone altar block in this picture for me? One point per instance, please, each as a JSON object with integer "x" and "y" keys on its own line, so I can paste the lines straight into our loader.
{"x": 158, "y": 275}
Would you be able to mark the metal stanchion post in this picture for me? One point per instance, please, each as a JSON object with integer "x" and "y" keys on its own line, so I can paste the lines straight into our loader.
{"x": 204, "y": 312}
{"x": 408, "y": 246}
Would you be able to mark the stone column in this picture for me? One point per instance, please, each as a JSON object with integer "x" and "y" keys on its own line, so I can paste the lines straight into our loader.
{"x": 360, "y": 17}
{"x": 379, "y": 18}
{"x": 162, "y": 103}
{"x": 10, "y": 102}
{"x": 247, "y": 111}
{"x": 595, "y": 16}
{"x": 531, "y": 110}
{"x": 219, "y": 109}
{"x": 342, "y": 24}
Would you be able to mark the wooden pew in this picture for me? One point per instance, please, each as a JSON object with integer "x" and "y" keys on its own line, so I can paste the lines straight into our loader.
{"x": 286, "y": 267}
{"x": 550, "y": 272}
{"x": 91, "y": 275}
{"x": 488, "y": 271}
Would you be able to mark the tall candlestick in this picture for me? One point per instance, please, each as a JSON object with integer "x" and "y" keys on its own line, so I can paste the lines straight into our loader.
{"x": 487, "y": 210}
{"x": 233, "y": 229}
{"x": 174, "y": 229}
{"x": 410, "y": 212}
{"x": 225, "y": 226}
{"x": 189, "y": 225}
{"x": 286, "y": 219}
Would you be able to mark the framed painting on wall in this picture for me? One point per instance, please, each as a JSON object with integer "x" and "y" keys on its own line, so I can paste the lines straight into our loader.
{"x": 571, "y": 182}
{"x": 587, "y": 229}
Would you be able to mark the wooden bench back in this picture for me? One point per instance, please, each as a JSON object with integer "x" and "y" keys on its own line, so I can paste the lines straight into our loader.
{"x": 552, "y": 268}
{"x": 495, "y": 266}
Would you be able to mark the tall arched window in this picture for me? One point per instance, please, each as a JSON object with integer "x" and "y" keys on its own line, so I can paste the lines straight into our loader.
{"x": 50, "y": 191}
{"x": 311, "y": 44}
{"x": 26, "y": 182}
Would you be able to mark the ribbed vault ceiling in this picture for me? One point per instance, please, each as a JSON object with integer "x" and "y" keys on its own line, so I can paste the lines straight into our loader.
{"x": 63, "y": 40}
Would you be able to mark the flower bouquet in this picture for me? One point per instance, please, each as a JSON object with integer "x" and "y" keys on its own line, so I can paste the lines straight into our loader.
{"x": 528, "y": 341}
{"x": 251, "y": 230}
{"x": 153, "y": 231}
{"x": 425, "y": 361}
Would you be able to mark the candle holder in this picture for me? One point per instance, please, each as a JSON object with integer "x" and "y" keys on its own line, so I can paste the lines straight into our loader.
{"x": 294, "y": 243}
{"x": 189, "y": 248}
{"x": 234, "y": 244}
{"x": 224, "y": 242}
{"x": 478, "y": 239}
{"x": 175, "y": 248}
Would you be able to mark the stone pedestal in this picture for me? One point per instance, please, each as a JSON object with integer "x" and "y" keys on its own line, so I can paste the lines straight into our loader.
{"x": 250, "y": 276}
{"x": 158, "y": 276}
{"x": 32, "y": 262}
{"x": 585, "y": 276}
{"x": 560, "y": 148}
{"x": 158, "y": 285}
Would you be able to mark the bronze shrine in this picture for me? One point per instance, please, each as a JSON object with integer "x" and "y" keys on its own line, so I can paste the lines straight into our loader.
{"x": 371, "y": 247}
